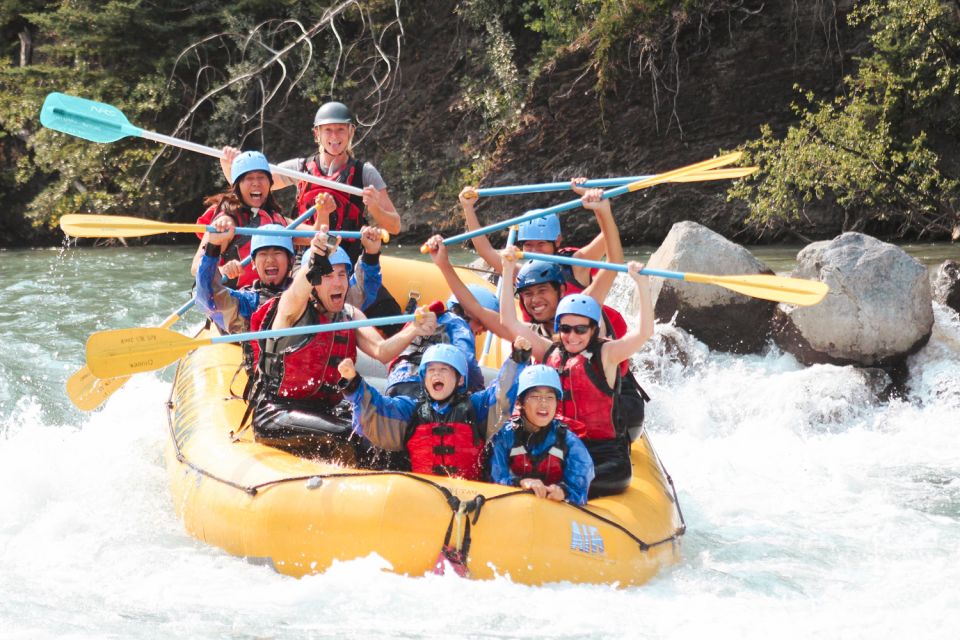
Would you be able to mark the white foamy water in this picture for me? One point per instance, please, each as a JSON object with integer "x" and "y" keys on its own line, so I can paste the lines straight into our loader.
{"x": 813, "y": 510}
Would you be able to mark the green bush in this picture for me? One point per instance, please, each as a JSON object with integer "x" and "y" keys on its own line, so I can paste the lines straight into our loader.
{"x": 873, "y": 154}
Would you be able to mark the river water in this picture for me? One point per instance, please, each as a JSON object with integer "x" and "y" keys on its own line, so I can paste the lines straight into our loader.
{"x": 812, "y": 509}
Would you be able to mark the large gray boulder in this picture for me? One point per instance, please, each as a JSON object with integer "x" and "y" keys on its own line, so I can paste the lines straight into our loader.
{"x": 878, "y": 310}
{"x": 946, "y": 284}
{"x": 718, "y": 317}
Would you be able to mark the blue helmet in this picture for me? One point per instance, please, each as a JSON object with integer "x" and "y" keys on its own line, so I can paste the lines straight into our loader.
{"x": 579, "y": 305}
{"x": 340, "y": 257}
{"x": 282, "y": 242}
{"x": 545, "y": 228}
{"x": 539, "y": 375}
{"x": 486, "y": 298}
{"x": 249, "y": 161}
{"x": 538, "y": 272}
{"x": 445, "y": 354}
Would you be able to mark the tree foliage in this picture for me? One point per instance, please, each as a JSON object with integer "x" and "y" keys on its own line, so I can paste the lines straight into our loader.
{"x": 882, "y": 154}
{"x": 208, "y": 71}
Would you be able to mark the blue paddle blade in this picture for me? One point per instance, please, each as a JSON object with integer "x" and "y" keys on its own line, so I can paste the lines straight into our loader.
{"x": 85, "y": 119}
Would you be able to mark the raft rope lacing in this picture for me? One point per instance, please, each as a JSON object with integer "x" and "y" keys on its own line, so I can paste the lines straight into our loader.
{"x": 460, "y": 508}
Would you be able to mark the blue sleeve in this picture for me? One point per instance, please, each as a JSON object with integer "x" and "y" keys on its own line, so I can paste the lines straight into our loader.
{"x": 247, "y": 302}
{"x": 500, "y": 457}
{"x": 459, "y": 335}
{"x": 382, "y": 419}
{"x": 494, "y": 404}
{"x": 578, "y": 471}
{"x": 208, "y": 277}
{"x": 372, "y": 281}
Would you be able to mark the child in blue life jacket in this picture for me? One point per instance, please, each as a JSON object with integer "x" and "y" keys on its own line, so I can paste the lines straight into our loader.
{"x": 536, "y": 451}
{"x": 444, "y": 431}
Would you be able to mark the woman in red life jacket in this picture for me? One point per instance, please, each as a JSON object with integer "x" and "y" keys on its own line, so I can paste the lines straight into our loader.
{"x": 445, "y": 429}
{"x": 536, "y": 450}
{"x": 334, "y": 127}
{"x": 296, "y": 383}
{"x": 249, "y": 203}
{"x": 543, "y": 235}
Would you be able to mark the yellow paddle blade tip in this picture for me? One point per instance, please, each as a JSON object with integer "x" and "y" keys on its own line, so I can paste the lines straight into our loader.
{"x": 796, "y": 291}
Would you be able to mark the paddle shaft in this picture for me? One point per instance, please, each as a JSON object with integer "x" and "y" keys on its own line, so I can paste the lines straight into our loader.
{"x": 312, "y": 328}
{"x": 533, "y": 215}
{"x": 763, "y": 286}
{"x": 544, "y": 187}
{"x": 596, "y": 264}
{"x": 288, "y": 233}
{"x": 606, "y": 183}
{"x": 217, "y": 153}
{"x": 667, "y": 176}
{"x": 105, "y": 123}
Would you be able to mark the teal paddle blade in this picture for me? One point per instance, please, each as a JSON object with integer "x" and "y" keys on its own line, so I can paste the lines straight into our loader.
{"x": 85, "y": 119}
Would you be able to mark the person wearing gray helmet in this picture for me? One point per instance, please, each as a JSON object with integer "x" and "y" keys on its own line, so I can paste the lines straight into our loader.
{"x": 334, "y": 127}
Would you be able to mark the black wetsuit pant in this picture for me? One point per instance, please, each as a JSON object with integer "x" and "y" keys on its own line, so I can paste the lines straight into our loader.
{"x": 611, "y": 462}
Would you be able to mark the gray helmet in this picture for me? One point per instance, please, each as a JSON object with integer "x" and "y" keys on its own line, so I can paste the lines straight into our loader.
{"x": 333, "y": 113}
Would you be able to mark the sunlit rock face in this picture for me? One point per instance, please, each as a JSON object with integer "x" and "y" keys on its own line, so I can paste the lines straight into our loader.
{"x": 720, "y": 318}
{"x": 878, "y": 311}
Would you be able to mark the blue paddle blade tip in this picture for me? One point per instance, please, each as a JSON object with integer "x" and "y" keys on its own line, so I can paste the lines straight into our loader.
{"x": 85, "y": 119}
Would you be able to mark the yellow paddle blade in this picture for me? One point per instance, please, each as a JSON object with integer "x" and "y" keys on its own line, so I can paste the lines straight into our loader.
{"x": 123, "y": 352}
{"x": 699, "y": 167}
{"x": 717, "y": 174}
{"x": 776, "y": 288}
{"x": 89, "y": 225}
{"x": 87, "y": 392}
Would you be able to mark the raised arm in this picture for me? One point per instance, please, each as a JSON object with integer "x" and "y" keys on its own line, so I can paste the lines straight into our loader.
{"x": 508, "y": 311}
{"x": 602, "y": 284}
{"x": 293, "y": 301}
{"x": 593, "y": 251}
{"x": 374, "y": 345}
{"x": 616, "y": 351}
{"x": 488, "y": 318}
{"x": 481, "y": 243}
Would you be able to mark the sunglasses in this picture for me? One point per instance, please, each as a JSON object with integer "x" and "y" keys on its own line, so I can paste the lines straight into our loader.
{"x": 579, "y": 329}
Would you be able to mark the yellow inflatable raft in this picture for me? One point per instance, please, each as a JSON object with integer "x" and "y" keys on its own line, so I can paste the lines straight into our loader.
{"x": 301, "y": 515}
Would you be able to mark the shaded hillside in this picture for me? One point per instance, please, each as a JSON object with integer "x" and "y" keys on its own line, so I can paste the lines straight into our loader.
{"x": 731, "y": 76}
{"x": 510, "y": 92}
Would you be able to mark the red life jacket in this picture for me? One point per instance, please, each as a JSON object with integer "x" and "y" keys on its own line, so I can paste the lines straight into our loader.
{"x": 573, "y": 285}
{"x": 349, "y": 213}
{"x": 548, "y": 466}
{"x": 307, "y": 369}
{"x": 446, "y": 445}
{"x": 587, "y": 403}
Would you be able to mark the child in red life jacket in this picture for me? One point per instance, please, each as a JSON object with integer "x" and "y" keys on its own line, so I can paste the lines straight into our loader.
{"x": 537, "y": 451}
{"x": 445, "y": 430}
